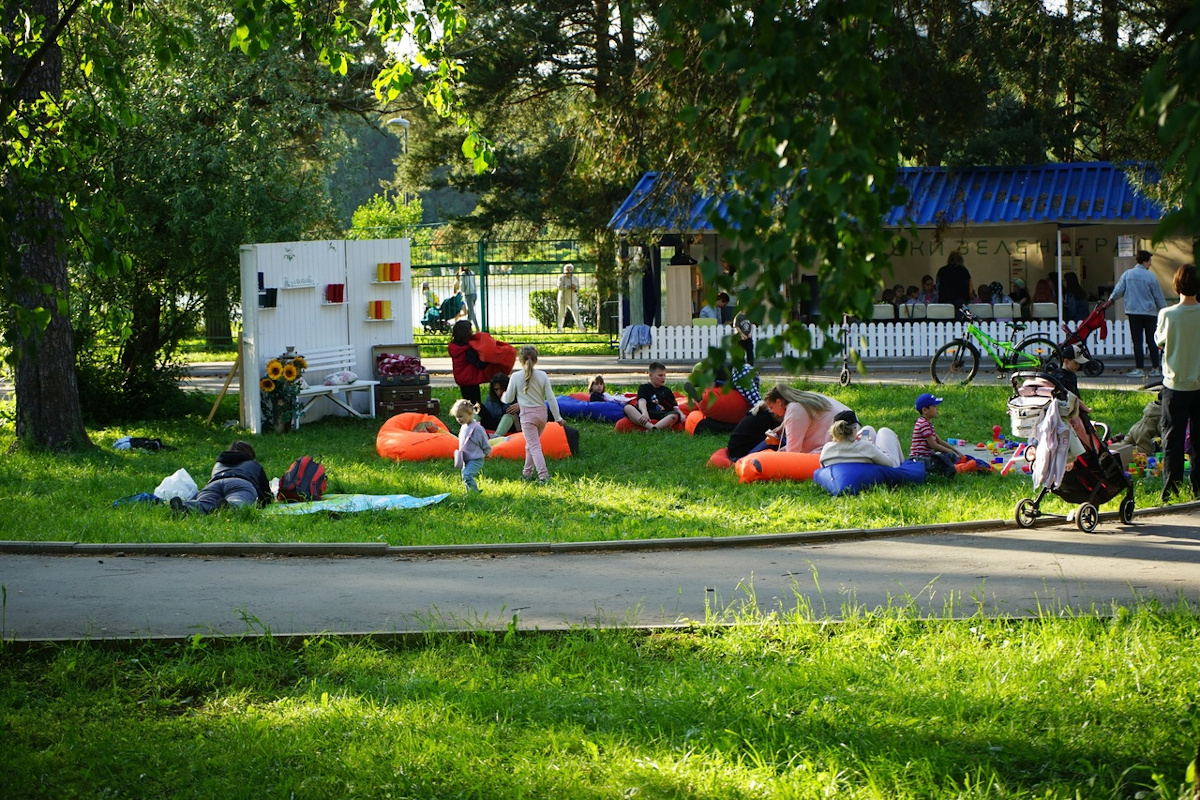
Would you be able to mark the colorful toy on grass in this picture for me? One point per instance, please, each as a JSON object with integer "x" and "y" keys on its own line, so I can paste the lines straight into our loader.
{"x": 1138, "y": 464}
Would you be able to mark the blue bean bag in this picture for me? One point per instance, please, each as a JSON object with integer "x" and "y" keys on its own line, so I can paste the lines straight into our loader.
{"x": 574, "y": 408}
{"x": 852, "y": 478}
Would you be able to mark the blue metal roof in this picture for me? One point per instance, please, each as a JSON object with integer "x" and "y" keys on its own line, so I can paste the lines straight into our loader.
{"x": 1062, "y": 194}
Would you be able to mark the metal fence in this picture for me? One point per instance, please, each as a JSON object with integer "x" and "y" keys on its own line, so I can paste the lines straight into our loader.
{"x": 516, "y": 286}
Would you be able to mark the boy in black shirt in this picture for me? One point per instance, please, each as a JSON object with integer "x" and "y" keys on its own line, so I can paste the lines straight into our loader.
{"x": 655, "y": 407}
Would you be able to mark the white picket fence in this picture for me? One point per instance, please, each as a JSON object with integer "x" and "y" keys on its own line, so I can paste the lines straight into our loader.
{"x": 874, "y": 341}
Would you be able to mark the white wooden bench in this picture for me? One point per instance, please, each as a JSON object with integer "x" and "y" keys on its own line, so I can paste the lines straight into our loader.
{"x": 322, "y": 363}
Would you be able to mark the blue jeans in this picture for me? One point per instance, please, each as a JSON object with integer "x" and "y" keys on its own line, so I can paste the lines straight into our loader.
{"x": 470, "y": 469}
{"x": 224, "y": 492}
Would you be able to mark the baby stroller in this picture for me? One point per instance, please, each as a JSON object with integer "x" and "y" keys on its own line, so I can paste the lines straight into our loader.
{"x": 1096, "y": 474}
{"x": 1094, "y": 321}
{"x": 439, "y": 320}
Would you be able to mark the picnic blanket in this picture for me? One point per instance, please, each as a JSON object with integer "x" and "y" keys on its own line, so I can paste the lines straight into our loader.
{"x": 351, "y": 503}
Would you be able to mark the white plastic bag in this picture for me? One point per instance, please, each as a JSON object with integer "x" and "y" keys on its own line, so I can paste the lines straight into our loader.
{"x": 179, "y": 484}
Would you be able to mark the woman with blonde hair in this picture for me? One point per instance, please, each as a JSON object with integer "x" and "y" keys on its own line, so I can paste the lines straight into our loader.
{"x": 806, "y": 418}
{"x": 531, "y": 388}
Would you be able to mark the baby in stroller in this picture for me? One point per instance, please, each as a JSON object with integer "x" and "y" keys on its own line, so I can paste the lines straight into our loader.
{"x": 1070, "y": 457}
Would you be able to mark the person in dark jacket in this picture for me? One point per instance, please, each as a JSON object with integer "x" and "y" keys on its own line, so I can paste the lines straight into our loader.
{"x": 237, "y": 480}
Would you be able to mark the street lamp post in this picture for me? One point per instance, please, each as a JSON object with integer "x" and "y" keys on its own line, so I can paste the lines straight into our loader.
{"x": 402, "y": 122}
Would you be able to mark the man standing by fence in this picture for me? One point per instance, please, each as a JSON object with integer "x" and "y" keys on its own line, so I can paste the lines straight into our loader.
{"x": 1143, "y": 300}
{"x": 568, "y": 297}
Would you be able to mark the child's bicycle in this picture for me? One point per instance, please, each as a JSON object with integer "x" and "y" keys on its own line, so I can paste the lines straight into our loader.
{"x": 958, "y": 361}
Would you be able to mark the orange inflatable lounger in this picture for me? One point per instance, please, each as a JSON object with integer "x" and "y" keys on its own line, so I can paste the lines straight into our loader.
{"x": 558, "y": 441}
{"x": 772, "y": 465}
{"x": 724, "y": 404}
{"x": 720, "y": 460}
{"x": 398, "y": 441}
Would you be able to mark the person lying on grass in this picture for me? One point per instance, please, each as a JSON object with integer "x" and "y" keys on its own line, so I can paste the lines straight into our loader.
{"x": 237, "y": 480}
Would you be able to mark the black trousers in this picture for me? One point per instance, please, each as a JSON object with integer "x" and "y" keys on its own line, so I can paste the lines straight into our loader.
{"x": 1142, "y": 328}
{"x": 1179, "y": 409}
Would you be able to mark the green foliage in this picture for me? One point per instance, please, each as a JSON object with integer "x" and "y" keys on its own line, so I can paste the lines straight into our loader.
{"x": 1170, "y": 102}
{"x": 110, "y": 396}
{"x": 815, "y": 162}
{"x": 754, "y": 702}
{"x": 543, "y": 307}
{"x": 381, "y": 218}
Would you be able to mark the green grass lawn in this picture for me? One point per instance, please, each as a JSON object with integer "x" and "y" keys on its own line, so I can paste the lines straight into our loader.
{"x": 632, "y": 486}
{"x": 778, "y": 706}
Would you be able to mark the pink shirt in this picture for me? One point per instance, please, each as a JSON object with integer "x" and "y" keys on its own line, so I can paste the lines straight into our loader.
{"x": 808, "y": 434}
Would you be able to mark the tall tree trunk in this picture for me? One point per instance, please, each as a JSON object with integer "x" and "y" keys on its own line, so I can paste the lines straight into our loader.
{"x": 48, "y": 409}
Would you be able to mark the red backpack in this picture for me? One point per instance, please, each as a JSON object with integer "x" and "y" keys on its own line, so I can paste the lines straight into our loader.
{"x": 304, "y": 480}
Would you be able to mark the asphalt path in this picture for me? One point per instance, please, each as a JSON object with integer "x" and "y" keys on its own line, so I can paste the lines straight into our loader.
{"x": 998, "y": 570}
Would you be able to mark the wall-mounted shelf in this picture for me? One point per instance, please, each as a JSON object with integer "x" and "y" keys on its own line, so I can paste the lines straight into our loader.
{"x": 327, "y": 303}
{"x": 388, "y": 319}
{"x": 377, "y": 283}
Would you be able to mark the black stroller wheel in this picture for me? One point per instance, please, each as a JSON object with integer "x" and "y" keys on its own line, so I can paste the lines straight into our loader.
{"x": 1025, "y": 513}
{"x": 1093, "y": 368}
{"x": 844, "y": 378}
{"x": 1087, "y": 518}
{"x": 1127, "y": 510}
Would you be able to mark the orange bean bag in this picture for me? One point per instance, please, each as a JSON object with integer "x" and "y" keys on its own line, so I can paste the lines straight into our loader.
{"x": 720, "y": 460}
{"x": 772, "y": 465}
{"x": 693, "y": 419}
{"x": 724, "y": 404}
{"x": 398, "y": 441}
{"x": 558, "y": 441}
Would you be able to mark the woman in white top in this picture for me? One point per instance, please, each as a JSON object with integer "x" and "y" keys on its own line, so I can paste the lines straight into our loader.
{"x": 531, "y": 389}
{"x": 852, "y": 443}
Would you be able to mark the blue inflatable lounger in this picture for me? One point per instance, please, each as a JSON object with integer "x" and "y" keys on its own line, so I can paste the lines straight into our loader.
{"x": 574, "y": 408}
{"x": 852, "y": 478}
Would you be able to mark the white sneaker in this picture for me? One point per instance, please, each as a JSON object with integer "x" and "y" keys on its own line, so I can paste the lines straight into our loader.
{"x": 1136, "y": 373}
{"x": 1155, "y": 373}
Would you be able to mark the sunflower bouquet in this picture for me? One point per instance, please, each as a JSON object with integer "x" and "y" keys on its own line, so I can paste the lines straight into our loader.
{"x": 280, "y": 389}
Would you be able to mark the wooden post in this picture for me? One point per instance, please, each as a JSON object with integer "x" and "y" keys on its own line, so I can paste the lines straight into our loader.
{"x": 237, "y": 363}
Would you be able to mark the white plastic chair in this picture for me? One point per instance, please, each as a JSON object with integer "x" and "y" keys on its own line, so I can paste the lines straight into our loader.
{"x": 884, "y": 311}
{"x": 939, "y": 311}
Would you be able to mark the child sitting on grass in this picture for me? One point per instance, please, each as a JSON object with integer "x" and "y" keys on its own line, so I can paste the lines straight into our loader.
{"x": 473, "y": 444}
{"x": 927, "y": 446}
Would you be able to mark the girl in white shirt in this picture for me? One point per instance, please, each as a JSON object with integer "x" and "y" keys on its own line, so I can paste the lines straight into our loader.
{"x": 531, "y": 389}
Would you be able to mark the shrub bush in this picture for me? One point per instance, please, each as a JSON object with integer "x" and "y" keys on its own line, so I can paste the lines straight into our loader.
{"x": 543, "y": 307}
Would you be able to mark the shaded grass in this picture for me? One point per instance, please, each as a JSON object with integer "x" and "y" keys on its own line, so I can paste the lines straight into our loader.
{"x": 632, "y": 486}
{"x": 884, "y": 705}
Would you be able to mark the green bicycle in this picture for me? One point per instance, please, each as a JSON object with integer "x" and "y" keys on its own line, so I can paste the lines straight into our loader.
{"x": 958, "y": 361}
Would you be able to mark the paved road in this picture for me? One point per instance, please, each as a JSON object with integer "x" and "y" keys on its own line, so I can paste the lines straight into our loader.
{"x": 1002, "y": 570}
